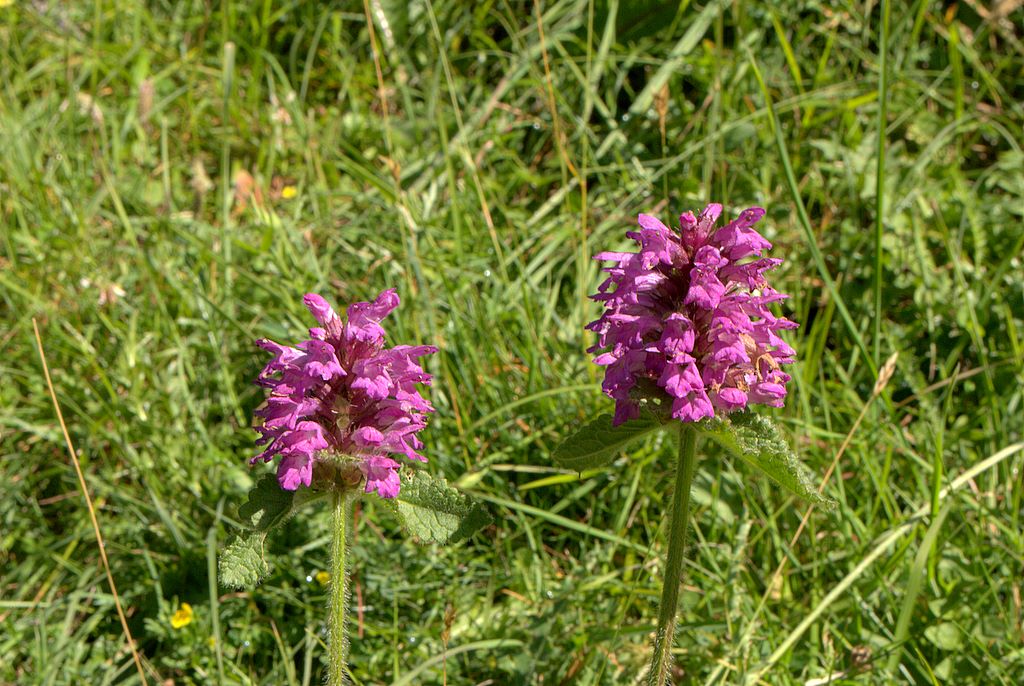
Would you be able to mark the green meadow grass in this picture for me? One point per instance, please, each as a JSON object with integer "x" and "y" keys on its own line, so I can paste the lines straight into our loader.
{"x": 144, "y": 153}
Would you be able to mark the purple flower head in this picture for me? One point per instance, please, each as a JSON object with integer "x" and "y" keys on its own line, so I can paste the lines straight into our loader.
{"x": 342, "y": 397}
{"x": 688, "y": 314}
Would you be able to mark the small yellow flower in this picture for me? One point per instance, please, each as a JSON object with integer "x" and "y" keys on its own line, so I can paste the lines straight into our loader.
{"x": 183, "y": 617}
{"x": 288, "y": 192}
{"x": 323, "y": 577}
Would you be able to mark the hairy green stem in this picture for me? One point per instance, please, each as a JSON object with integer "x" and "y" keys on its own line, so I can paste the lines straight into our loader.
{"x": 337, "y": 658}
{"x": 661, "y": 662}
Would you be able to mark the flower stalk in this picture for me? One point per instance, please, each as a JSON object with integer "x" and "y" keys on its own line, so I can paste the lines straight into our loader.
{"x": 337, "y": 658}
{"x": 688, "y": 323}
{"x": 661, "y": 662}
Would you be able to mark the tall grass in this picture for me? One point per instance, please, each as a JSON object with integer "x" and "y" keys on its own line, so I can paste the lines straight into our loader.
{"x": 475, "y": 157}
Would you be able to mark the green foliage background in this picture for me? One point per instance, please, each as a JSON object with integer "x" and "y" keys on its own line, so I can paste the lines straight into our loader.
{"x": 144, "y": 148}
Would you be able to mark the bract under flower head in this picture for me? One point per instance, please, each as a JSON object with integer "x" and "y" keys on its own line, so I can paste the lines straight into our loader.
{"x": 342, "y": 393}
{"x": 689, "y": 312}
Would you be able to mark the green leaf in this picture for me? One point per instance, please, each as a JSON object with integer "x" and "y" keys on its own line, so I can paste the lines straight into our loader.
{"x": 597, "y": 442}
{"x": 756, "y": 440}
{"x": 435, "y": 512}
{"x": 241, "y": 564}
{"x": 945, "y": 636}
{"x": 268, "y": 504}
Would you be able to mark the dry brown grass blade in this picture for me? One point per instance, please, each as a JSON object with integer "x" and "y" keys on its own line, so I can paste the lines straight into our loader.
{"x": 92, "y": 511}
{"x": 884, "y": 376}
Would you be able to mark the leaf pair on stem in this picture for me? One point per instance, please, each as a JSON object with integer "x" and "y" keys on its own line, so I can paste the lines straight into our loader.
{"x": 427, "y": 508}
{"x": 748, "y": 436}
{"x": 751, "y": 437}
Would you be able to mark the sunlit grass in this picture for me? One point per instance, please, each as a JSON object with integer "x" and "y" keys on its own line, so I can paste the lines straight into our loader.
{"x": 154, "y": 237}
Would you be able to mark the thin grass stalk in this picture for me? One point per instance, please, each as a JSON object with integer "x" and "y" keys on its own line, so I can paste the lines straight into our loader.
{"x": 805, "y": 222}
{"x": 883, "y": 89}
{"x": 100, "y": 543}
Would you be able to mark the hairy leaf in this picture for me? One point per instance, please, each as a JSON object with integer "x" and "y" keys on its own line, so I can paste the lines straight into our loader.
{"x": 757, "y": 441}
{"x": 435, "y": 512}
{"x": 597, "y": 442}
{"x": 268, "y": 504}
{"x": 241, "y": 564}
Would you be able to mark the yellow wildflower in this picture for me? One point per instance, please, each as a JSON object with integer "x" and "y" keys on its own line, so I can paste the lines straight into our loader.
{"x": 289, "y": 192}
{"x": 183, "y": 617}
{"x": 323, "y": 578}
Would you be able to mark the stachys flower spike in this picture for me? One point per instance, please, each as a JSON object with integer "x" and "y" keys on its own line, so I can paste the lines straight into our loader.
{"x": 344, "y": 397}
{"x": 689, "y": 313}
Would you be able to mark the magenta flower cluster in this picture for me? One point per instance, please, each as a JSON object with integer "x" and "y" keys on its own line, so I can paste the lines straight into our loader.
{"x": 689, "y": 313}
{"x": 343, "y": 396}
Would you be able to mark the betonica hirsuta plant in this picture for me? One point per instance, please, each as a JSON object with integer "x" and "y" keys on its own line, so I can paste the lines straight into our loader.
{"x": 689, "y": 341}
{"x": 342, "y": 402}
{"x": 341, "y": 406}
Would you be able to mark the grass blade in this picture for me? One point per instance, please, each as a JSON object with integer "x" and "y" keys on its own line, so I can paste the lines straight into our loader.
{"x": 805, "y": 222}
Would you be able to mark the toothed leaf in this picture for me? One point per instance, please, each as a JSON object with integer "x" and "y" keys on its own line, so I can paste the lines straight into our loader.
{"x": 756, "y": 440}
{"x": 268, "y": 504}
{"x": 597, "y": 442}
{"x": 433, "y": 511}
{"x": 241, "y": 564}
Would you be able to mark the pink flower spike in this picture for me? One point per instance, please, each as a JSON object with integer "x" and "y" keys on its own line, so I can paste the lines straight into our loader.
{"x": 343, "y": 395}
{"x": 689, "y": 311}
